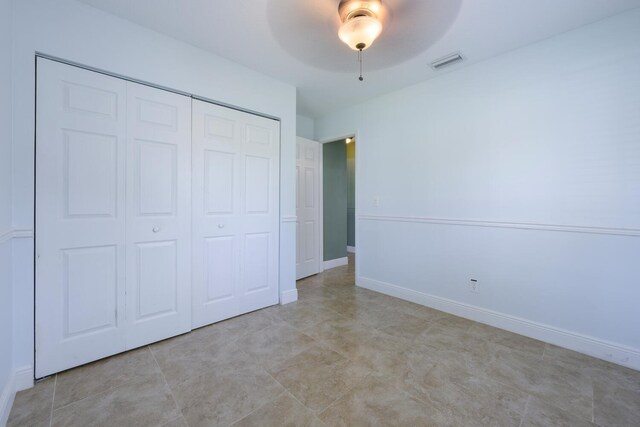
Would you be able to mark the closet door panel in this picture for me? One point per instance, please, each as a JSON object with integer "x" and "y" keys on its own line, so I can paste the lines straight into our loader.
{"x": 158, "y": 215}
{"x": 80, "y": 217}
{"x": 261, "y": 153}
{"x": 113, "y": 216}
{"x": 219, "y": 253}
{"x": 217, "y": 152}
{"x": 235, "y": 212}
{"x": 156, "y": 284}
{"x": 219, "y": 182}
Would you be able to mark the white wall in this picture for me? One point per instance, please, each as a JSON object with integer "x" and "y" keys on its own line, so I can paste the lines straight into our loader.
{"x": 82, "y": 34}
{"x": 304, "y": 127}
{"x": 523, "y": 172}
{"x": 6, "y": 347}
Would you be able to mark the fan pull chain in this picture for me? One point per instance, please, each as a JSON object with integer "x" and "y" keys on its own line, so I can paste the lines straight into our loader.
{"x": 360, "y": 61}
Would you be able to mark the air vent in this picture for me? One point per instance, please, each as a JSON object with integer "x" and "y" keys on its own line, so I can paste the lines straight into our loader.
{"x": 454, "y": 58}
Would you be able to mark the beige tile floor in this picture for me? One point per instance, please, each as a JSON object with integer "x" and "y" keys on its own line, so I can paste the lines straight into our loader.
{"x": 340, "y": 356}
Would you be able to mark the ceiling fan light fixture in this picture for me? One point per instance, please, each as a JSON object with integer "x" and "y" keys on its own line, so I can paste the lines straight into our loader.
{"x": 360, "y": 26}
{"x": 349, "y": 8}
{"x": 360, "y": 32}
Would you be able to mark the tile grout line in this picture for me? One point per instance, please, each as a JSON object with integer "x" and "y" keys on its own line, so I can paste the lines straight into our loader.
{"x": 431, "y": 323}
{"x": 94, "y": 394}
{"x": 107, "y": 390}
{"x": 286, "y": 390}
{"x": 420, "y": 399}
{"x": 324, "y": 344}
{"x": 593, "y": 401}
{"x": 257, "y": 409}
{"x": 175, "y": 402}
{"x": 53, "y": 399}
{"x": 173, "y": 419}
{"x": 343, "y": 394}
{"x": 524, "y": 413}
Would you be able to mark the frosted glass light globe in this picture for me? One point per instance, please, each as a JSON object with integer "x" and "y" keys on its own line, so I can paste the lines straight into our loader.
{"x": 359, "y": 31}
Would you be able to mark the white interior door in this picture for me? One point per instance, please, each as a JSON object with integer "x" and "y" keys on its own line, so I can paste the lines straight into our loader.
{"x": 235, "y": 212}
{"x": 113, "y": 166}
{"x": 307, "y": 208}
{"x": 80, "y": 217}
{"x": 158, "y": 220}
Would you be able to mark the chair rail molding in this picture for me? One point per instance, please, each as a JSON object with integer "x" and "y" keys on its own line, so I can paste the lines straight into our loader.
{"x": 16, "y": 234}
{"x": 635, "y": 232}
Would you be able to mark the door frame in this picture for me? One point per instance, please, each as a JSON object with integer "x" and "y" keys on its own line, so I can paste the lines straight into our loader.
{"x": 356, "y": 135}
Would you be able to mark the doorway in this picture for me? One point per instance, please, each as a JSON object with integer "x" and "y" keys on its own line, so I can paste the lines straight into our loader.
{"x": 326, "y": 204}
{"x": 338, "y": 167}
{"x": 351, "y": 194}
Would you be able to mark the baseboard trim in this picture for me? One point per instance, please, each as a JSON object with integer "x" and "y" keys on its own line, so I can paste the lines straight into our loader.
{"x": 19, "y": 380}
{"x": 351, "y": 249}
{"x": 7, "y": 396}
{"x": 23, "y": 378}
{"x": 333, "y": 263}
{"x": 289, "y": 296}
{"x": 611, "y": 352}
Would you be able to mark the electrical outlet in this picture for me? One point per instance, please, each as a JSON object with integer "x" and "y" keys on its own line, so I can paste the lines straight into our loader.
{"x": 474, "y": 286}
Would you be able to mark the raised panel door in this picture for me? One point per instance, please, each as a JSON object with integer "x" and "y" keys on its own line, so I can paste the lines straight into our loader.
{"x": 308, "y": 256}
{"x": 235, "y": 212}
{"x": 216, "y": 213}
{"x": 80, "y": 217}
{"x": 158, "y": 214}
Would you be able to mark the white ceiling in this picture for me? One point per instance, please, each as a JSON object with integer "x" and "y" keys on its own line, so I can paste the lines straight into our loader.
{"x": 296, "y": 41}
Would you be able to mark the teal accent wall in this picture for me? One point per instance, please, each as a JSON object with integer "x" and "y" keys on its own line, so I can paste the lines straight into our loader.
{"x": 334, "y": 180}
{"x": 351, "y": 194}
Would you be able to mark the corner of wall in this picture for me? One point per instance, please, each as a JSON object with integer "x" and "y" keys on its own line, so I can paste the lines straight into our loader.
{"x": 289, "y": 296}
{"x": 19, "y": 380}
{"x": 7, "y": 396}
{"x": 305, "y": 127}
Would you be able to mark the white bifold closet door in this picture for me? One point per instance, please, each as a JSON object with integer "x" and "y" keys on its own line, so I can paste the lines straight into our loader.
{"x": 235, "y": 212}
{"x": 113, "y": 215}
